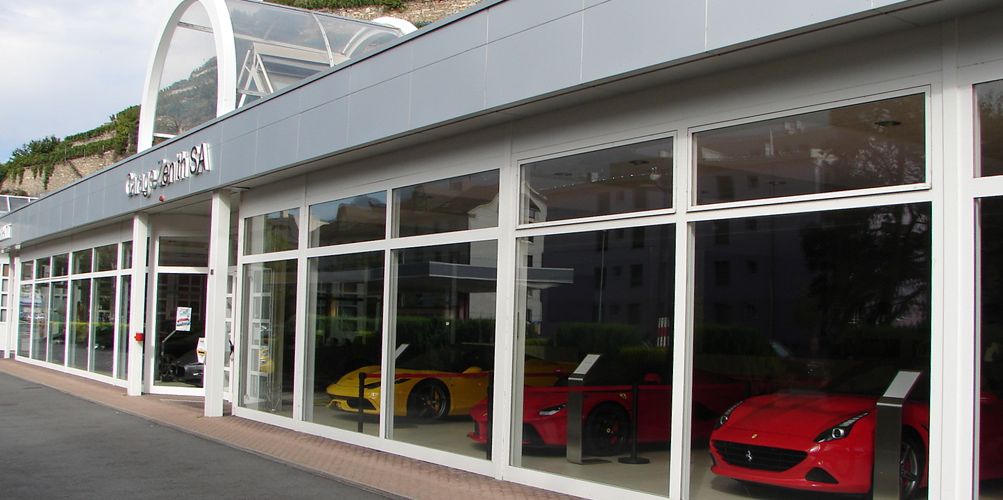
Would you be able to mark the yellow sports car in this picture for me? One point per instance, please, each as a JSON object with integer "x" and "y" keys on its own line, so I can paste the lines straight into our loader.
{"x": 440, "y": 382}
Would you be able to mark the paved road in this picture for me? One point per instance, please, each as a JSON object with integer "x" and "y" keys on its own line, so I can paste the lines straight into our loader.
{"x": 53, "y": 445}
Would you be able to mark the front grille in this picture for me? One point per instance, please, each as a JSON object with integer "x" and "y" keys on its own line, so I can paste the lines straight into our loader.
{"x": 354, "y": 403}
{"x": 758, "y": 457}
{"x": 530, "y": 437}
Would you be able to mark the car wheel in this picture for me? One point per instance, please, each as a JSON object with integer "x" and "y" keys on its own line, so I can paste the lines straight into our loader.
{"x": 607, "y": 430}
{"x": 911, "y": 463}
{"x": 428, "y": 400}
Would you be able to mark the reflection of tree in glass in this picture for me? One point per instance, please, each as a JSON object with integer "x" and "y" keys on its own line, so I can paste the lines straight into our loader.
{"x": 871, "y": 273}
{"x": 872, "y": 265}
{"x": 880, "y": 144}
{"x": 991, "y": 300}
{"x": 990, "y": 104}
{"x": 874, "y": 262}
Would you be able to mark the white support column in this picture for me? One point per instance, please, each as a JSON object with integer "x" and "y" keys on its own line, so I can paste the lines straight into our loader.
{"x": 137, "y": 303}
{"x": 215, "y": 324}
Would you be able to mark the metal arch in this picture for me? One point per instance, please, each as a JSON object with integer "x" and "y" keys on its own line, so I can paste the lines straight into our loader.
{"x": 226, "y": 72}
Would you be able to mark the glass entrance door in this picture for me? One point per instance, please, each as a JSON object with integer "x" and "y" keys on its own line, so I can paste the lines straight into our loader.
{"x": 179, "y": 324}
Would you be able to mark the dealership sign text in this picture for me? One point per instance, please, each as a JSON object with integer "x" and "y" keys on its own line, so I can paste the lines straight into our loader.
{"x": 185, "y": 164}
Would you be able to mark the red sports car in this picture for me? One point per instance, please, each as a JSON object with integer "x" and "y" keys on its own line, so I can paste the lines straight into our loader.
{"x": 825, "y": 441}
{"x": 606, "y": 417}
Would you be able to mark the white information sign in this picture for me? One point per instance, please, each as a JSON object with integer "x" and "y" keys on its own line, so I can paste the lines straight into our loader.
{"x": 200, "y": 350}
{"x": 183, "y": 321}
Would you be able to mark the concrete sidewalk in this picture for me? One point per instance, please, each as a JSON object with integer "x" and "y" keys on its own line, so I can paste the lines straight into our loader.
{"x": 366, "y": 468}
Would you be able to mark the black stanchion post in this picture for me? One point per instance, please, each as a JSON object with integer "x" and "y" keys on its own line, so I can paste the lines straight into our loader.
{"x": 635, "y": 394}
{"x": 490, "y": 405}
{"x": 362, "y": 397}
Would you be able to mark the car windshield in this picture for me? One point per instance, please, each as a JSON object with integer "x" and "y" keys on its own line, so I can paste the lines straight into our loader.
{"x": 873, "y": 381}
{"x": 450, "y": 358}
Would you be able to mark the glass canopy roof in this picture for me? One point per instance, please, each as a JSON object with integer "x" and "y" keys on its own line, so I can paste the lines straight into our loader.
{"x": 263, "y": 48}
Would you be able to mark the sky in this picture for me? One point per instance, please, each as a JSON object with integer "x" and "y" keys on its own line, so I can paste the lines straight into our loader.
{"x": 67, "y": 65}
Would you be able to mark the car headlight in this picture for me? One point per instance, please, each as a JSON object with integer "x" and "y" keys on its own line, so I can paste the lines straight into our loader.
{"x": 551, "y": 410}
{"x": 726, "y": 415}
{"x": 840, "y": 431}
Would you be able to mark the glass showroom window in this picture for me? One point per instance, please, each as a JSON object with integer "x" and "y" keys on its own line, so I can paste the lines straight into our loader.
{"x": 122, "y": 343}
{"x": 40, "y": 322}
{"x": 80, "y": 324}
{"x": 28, "y": 270}
{"x": 26, "y": 314}
{"x": 454, "y": 204}
{"x": 127, "y": 255}
{"x": 349, "y": 220}
{"x": 875, "y": 144}
{"x": 82, "y": 261}
{"x": 615, "y": 180}
{"x": 273, "y": 232}
{"x": 42, "y": 268}
{"x": 444, "y": 314}
{"x": 606, "y": 293}
{"x": 105, "y": 258}
{"x": 183, "y": 251}
{"x": 445, "y": 327}
{"x": 269, "y": 339}
{"x": 60, "y": 265}
{"x": 57, "y": 322}
{"x": 989, "y": 99}
{"x": 102, "y": 341}
{"x": 345, "y": 336}
{"x": 810, "y": 316}
{"x": 807, "y": 317}
{"x": 990, "y": 437}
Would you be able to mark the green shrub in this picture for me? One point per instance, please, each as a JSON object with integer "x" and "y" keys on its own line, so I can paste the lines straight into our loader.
{"x": 40, "y": 156}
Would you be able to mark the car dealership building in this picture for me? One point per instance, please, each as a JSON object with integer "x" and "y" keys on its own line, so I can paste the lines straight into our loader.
{"x": 563, "y": 232}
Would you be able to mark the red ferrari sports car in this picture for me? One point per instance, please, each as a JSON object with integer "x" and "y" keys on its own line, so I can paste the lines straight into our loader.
{"x": 825, "y": 441}
{"x": 606, "y": 414}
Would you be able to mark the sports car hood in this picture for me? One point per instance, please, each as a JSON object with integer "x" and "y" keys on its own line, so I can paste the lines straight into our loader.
{"x": 351, "y": 379}
{"x": 802, "y": 415}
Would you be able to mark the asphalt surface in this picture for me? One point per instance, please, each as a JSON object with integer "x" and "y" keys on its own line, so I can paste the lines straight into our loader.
{"x": 53, "y": 445}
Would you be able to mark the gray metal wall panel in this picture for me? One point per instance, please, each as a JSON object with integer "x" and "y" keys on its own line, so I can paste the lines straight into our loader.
{"x": 380, "y": 68}
{"x": 324, "y": 90}
{"x": 238, "y": 158}
{"x": 735, "y": 21}
{"x": 379, "y": 111}
{"x": 323, "y": 129}
{"x": 64, "y": 208}
{"x": 279, "y": 108}
{"x": 617, "y": 40}
{"x": 277, "y": 144}
{"x": 240, "y": 123}
{"x": 81, "y": 210}
{"x": 463, "y": 35}
{"x": 536, "y": 61}
{"x": 448, "y": 88}
{"x": 515, "y": 16}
